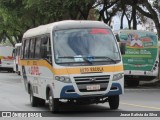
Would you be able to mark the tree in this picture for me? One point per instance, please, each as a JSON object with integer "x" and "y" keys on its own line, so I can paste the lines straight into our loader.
{"x": 17, "y": 16}
{"x": 145, "y": 8}
{"x": 21, "y": 15}
{"x": 16, "y": 19}
{"x": 109, "y": 9}
{"x": 63, "y": 9}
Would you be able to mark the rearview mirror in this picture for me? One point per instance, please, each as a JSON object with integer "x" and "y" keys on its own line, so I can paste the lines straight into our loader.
{"x": 117, "y": 37}
{"x": 122, "y": 48}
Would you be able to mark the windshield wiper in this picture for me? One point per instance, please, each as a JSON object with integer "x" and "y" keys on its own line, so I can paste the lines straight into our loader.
{"x": 100, "y": 57}
{"x": 92, "y": 57}
{"x": 71, "y": 57}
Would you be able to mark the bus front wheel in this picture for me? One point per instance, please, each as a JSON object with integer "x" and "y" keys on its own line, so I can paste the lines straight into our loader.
{"x": 113, "y": 102}
{"x": 33, "y": 99}
{"x": 53, "y": 103}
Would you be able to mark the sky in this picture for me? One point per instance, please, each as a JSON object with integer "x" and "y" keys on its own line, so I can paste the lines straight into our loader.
{"x": 116, "y": 25}
{"x": 116, "y": 19}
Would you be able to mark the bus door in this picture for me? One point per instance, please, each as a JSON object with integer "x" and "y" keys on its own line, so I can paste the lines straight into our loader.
{"x": 46, "y": 74}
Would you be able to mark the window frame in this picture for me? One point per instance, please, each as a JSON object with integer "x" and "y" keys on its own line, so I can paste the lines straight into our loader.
{"x": 32, "y": 48}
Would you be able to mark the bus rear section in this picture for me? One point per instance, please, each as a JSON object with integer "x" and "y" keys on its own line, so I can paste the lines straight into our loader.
{"x": 77, "y": 62}
{"x": 142, "y": 56}
{"x": 16, "y": 55}
{"x": 6, "y": 59}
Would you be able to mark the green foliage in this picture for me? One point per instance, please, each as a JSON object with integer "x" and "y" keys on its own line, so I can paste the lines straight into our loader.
{"x": 17, "y": 16}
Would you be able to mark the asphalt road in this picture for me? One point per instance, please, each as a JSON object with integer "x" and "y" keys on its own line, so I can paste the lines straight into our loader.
{"x": 13, "y": 97}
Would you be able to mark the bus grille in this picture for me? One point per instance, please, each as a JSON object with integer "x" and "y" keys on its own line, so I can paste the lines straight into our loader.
{"x": 84, "y": 81}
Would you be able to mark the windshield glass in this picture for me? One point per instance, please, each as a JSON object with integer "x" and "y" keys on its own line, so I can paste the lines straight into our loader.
{"x": 85, "y": 45}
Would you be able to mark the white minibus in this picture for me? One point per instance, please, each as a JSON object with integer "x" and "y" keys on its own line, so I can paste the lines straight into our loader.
{"x": 72, "y": 61}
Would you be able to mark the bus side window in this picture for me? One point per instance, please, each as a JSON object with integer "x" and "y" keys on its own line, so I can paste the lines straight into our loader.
{"x": 23, "y": 48}
{"x": 49, "y": 53}
{"x": 46, "y": 49}
{"x": 26, "y": 49}
{"x": 32, "y": 48}
{"x": 37, "y": 48}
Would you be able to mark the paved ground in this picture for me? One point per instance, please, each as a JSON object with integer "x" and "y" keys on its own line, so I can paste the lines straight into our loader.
{"x": 13, "y": 97}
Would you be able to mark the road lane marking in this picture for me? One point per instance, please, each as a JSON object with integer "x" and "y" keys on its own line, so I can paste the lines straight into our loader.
{"x": 142, "y": 106}
{"x": 142, "y": 89}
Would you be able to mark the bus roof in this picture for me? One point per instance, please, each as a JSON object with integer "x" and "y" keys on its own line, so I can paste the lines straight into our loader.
{"x": 66, "y": 24}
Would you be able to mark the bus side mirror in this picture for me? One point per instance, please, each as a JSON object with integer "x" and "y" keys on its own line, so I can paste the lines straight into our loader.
{"x": 122, "y": 48}
{"x": 117, "y": 37}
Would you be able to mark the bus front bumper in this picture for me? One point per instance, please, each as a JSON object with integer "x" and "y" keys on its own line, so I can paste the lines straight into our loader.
{"x": 116, "y": 89}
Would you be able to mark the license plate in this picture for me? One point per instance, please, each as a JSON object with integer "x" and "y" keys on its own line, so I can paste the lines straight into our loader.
{"x": 93, "y": 87}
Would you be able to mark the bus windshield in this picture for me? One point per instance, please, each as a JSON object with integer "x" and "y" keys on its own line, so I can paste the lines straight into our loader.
{"x": 85, "y": 45}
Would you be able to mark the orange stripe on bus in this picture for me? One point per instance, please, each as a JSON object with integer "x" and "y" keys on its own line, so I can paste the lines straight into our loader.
{"x": 71, "y": 70}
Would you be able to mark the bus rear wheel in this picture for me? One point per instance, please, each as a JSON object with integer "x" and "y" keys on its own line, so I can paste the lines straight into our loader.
{"x": 113, "y": 102}
{"x": 53, "y": 103}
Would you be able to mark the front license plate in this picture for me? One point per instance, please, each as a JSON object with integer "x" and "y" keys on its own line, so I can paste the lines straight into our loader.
{"x": 93, "y": 87}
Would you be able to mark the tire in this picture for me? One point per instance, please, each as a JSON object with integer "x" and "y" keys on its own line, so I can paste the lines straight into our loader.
{"x": 53, "y": 103}
{"x": 41, "y": 102}
{"x": 113, "y": 102}
{"x": 132, "y": 83}
{"x": 33, "y": 100}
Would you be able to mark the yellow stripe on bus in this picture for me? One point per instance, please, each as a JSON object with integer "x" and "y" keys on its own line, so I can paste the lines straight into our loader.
{"x": 72, "y": 70}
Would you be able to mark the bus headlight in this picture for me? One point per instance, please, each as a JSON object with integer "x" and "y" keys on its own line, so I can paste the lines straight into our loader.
{"x": 63, "y": 79}
{"x": 117, "y": 76}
